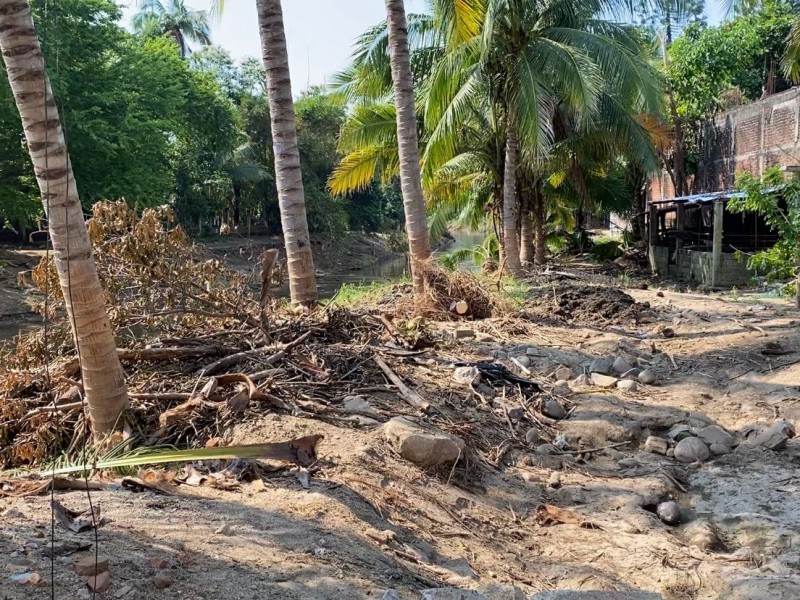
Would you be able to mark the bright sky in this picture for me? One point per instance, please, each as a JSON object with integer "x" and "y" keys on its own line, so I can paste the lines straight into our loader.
{"x": 319, "y": 33}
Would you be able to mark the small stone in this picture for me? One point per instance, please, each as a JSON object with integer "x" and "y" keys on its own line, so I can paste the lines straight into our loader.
{"x": 159, "y": 563}
{"x": 561, "y": 388}
{"x": 459, "y": 566}
{"x": 669, "y": 512}
{"x": 358, "y": 404}
{"x": 603, "y": 381}
{"x": 775, "y": 437}
{"x": 634, "y": 372}
{"x": 647, "y": 377}
{"x": 531, "y": 351}
{"x": 467, "y": 375}
{"x": 223, "y": 529}
{"x": 660, "y": 294}
{"x": 627, "y": 385}
{"x": 628, "y": 463}
{"x": 390, "y": 595}
{"x": 603, "y": 365}
{"x": 123, "y": 591}
{"x": 679, "y": 432}
{"x": 532, "y": 435}
{"x": 32, "y": 578}
{"x": 524, "y": 360}
{"x": 714, "y": 434}
{"x": 668, "y": 332}
{"x": 656, "y": 444}
{"x": 463, "y": 333}
{"x": 161, "y": 581}
{"x": 554, "y": 481}
{"x": 516, "y": 413}
{"x": 99, "y": 583}
{"x": 621, "y": 365}
{"x": 692, "y": 449}
{"x": 422, "y": 444}
{"x": 86, "y": 566}
{"x": 451, "y": 593}
{"x": 502, "y": 591}
{"x": 552, "y": 408}
{"x": 563, "y": 374}
{"x": 581, "y": 381}
{"x": 12, "y": 513}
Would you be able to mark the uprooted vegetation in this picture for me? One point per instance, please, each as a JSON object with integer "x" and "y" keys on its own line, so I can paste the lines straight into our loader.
{"x": 547, "y": 472}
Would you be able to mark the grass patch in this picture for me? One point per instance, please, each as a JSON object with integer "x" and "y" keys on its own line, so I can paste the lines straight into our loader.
{"x": 514, "y": 291}
{"x": 350, "y": 295}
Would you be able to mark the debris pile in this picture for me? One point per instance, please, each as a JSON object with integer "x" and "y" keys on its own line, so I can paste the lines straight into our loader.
{"x": 581, "y": 303}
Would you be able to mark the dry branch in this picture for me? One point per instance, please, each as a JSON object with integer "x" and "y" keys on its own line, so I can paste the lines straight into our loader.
{"x": 406, "y": 392}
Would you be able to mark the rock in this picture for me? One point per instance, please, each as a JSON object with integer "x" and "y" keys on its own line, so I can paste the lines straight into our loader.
{"x": 123, "y": 591}
{"x": 86, "y": 566}
{"x": 576, "y": 595}
{"x": 532, "y": 435}
{"x": 552, "y": 408}
{"x": 422, "y": 444}
{"x": 161, "y": 581}
{"x": 32, "y": 578}
{"x": 12, "y": 513}
{"x": 603, "y": 365}
{"x": 463, "y": 333}
{"x": 563, "y": 374}
{"x": 223, "y": 529}
{"x": 99, "y": 583}
{"x": 669, "y": 512}
{"x": 714, "y": 434}
{"x": 554, "y": 481}
{"x": 524, "y": 360}
{"x": 660, "y": 294}
{"x": 358, "y": 404}
{"x": 561, "y": 388}
{"x": 719, "y": 449}
{"x": 679, "y": 432}
{"x": 390, "y": 595}
{"x": 627, "y": 385}
{"x": 647, "y": 377}
{"x": 459, "y": 566}
{"x": 603, "y": 381}
{"x": 502, "y": 591}
{"x": 763, "y": 588}
{"x": 634, "y": 372}
{"x": 467, "y": 375}
{"x": 656, "y": 444}
{"x": 621, "y": 365}
{"x": 691, "y": 450}
{"x": 628, "y": 463}
{"x": 159, "y": 563}
{"x": 775, "y": 437}
{"x": 581, "y": 381}
{"x": 671, "y": 453}
{"x": 484, "y": 337}
{"x": 450, "y": 593}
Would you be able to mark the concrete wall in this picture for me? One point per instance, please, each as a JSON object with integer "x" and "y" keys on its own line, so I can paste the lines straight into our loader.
{"x": 748, "y": 138}
{"x": 691, "y": 265}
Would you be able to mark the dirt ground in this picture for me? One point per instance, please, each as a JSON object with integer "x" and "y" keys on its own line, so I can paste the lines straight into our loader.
{"x": 371, "y": 520}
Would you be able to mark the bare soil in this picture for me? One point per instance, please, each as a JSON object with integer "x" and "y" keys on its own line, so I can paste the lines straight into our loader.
{"x": 371, "y": 520}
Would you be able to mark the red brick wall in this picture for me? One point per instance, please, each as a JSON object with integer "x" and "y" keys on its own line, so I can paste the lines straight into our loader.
{"x": 748, "y": 138}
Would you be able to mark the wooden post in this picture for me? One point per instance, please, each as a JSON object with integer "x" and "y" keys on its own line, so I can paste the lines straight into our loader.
{"x": 652, "y": 235}
{"x": 680, "y": 223}
{"x": 716, "y": 251}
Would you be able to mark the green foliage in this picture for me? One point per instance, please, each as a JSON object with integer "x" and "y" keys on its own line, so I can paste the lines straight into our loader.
{"x": 778, "y": 202}
{"x": 710, "y": 65}
{"x": 606, "y": 249}
{"x": 359, "y": 294}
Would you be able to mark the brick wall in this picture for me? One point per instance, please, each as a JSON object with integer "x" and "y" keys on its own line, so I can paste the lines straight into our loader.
{"x": 748, "y": 138}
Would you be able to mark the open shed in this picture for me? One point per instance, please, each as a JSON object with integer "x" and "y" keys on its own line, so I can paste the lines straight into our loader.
{"x": 696, "y": 238}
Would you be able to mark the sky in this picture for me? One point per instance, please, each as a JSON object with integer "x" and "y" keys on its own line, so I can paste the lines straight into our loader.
{"x": 319, "y": 33}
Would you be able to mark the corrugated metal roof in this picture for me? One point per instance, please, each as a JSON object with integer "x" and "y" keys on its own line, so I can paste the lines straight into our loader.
{"x": 709, "y": 197}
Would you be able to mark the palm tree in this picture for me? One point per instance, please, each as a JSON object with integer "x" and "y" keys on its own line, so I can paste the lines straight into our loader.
{"x": 408, "y": 144}
{"x": 174, "y": 18}
{"x": 288, "y": 177}
{"x": 103, "y": 377}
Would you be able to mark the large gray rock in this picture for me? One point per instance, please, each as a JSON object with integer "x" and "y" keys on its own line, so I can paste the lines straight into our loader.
{"x": 575, "y": 595}
{"x": 422, "y": 444}
{"x": 603, "y": 365}
{"x": 603, "y": 381}
{"x": 714, "y": 434}
{"x": 621, "y": 365}
{"x": 775, "y": 437}
{"x": 691, "y": 450}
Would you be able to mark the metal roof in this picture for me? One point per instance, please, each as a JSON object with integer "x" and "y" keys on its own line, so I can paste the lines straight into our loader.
{"x": 709, "y": 197}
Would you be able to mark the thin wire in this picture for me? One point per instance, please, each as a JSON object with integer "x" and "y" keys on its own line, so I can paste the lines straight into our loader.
{"x": 73, "y": 320}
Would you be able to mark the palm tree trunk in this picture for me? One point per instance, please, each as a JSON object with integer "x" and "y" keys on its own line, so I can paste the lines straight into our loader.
{"x": 540, "y": 254}
{"x": 510, "y": 203}
{"x": 526, "y": 252}
{"x": 103, "y": 377}
{"x": 410, "y": 179}
{"x": 288, "y": 177}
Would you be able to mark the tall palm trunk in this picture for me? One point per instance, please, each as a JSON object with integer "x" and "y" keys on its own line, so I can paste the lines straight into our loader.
{"x": 288, "y": 177}
{"x": 410, "y": 179}
{"x": 103, "y": 378}
{"x": 526, "y": 252}
{"x": 510, "y": 203}
{"x": 538, "y": 226}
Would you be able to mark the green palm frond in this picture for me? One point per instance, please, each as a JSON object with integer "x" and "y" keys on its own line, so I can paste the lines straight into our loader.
{"x": 791, "y": 58}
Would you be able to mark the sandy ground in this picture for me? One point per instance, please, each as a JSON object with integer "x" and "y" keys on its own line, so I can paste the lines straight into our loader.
{"x": 371, "y": 520}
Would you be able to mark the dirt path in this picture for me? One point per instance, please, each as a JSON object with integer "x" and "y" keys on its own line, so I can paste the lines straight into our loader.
{"x": 372, "y": 521}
